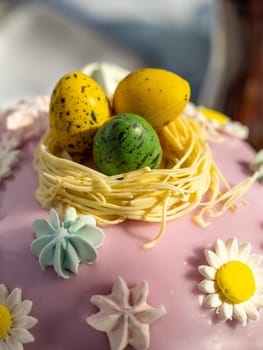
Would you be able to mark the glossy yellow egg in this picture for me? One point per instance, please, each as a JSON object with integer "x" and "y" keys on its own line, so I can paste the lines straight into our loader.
{"x": 156, "y": 94}
{"x": 78, "y": 108}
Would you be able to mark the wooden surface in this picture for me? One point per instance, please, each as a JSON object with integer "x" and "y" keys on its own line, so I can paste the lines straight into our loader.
{"x": 244, "y": 99}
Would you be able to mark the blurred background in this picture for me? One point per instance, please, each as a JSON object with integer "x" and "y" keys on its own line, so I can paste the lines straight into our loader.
{"x": 217, "y": 45}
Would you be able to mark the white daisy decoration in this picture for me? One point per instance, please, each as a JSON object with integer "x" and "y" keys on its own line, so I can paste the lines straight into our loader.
{"x": 233, "y": 281}
{"x": 14, "y": 319}
{"x": 217, "y": 120}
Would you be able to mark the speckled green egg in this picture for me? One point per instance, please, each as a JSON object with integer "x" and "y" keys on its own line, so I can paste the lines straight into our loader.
{"x": 127, "y": 142}
{"x": 78, "y": 108}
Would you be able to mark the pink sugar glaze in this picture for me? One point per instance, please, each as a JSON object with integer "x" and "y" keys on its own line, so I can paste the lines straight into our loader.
{"x": 62, "y": 306}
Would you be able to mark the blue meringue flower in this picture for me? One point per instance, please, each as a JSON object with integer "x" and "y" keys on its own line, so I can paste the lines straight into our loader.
{"x": 65, "y": 245}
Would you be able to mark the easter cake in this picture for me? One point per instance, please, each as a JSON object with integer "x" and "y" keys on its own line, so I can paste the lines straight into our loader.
{"x": 130, "y": 219}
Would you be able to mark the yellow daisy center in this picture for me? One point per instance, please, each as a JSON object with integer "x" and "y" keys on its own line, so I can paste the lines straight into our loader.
{"x": 211, "y": 114}
{"x": 236, "y": 281}
{"x": 5, "y": 321}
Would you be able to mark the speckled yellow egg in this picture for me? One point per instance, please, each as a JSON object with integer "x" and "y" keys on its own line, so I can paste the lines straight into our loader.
{"x": 78, "y": 108}
{"x": 156, "y": 94}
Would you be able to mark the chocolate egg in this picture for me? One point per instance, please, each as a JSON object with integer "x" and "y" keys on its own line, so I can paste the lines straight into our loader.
{"x": 78, "y": 108}
{"x": 127, "y": 142}
{"x": 155, "y": 94}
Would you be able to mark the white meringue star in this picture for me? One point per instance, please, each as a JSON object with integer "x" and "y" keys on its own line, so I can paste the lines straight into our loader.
{"x": 125, "y": 315}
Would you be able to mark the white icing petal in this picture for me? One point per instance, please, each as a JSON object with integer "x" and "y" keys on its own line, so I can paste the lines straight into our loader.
{"x": 232, "y": 248}
{"x": 213, "y": 300}
{"x": 22, "y": 335}
{"x": 212, "y": 259}
{"x": 207, "y": 271}
{"x": 3, "y": 294}
{"x": 125, "y": 316}
{"x": 258, "y": 273}
{"x": 13, "y": 344}
{"x": 244, "y": 251}
{"x": 230, "y": 127}
{"x": 22, "y": 309}
{"x": 221, "y": 251}
{"x": 25, "y": 322}
{"x": 207, "y": 286}
{"x": 251, "y": 310}
{"x": 254, "y": 261}
{"x": 257, "y": 300}
{"x": 259, "y": 289}
{"x": 13, "y": 298}
{"x": 236, "y": 129}
{"x": 259, "y": 276}
{"x": 240, "y": 313}
{"x": 257, "y": 164}
{"x": 225, "y": 312}
{"x": 3, "y": 345}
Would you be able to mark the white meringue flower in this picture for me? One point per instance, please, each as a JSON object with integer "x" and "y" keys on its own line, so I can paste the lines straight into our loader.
{"x": 108, "y": 75}
{"x": 29, "y": 117}
{"x": 125, "y": 315}
{"x": 9, "y": 155}
{"x": 18, "y": 124}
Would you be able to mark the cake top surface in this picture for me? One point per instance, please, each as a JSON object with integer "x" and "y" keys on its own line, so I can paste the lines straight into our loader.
{"x": 189, "y": 267}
